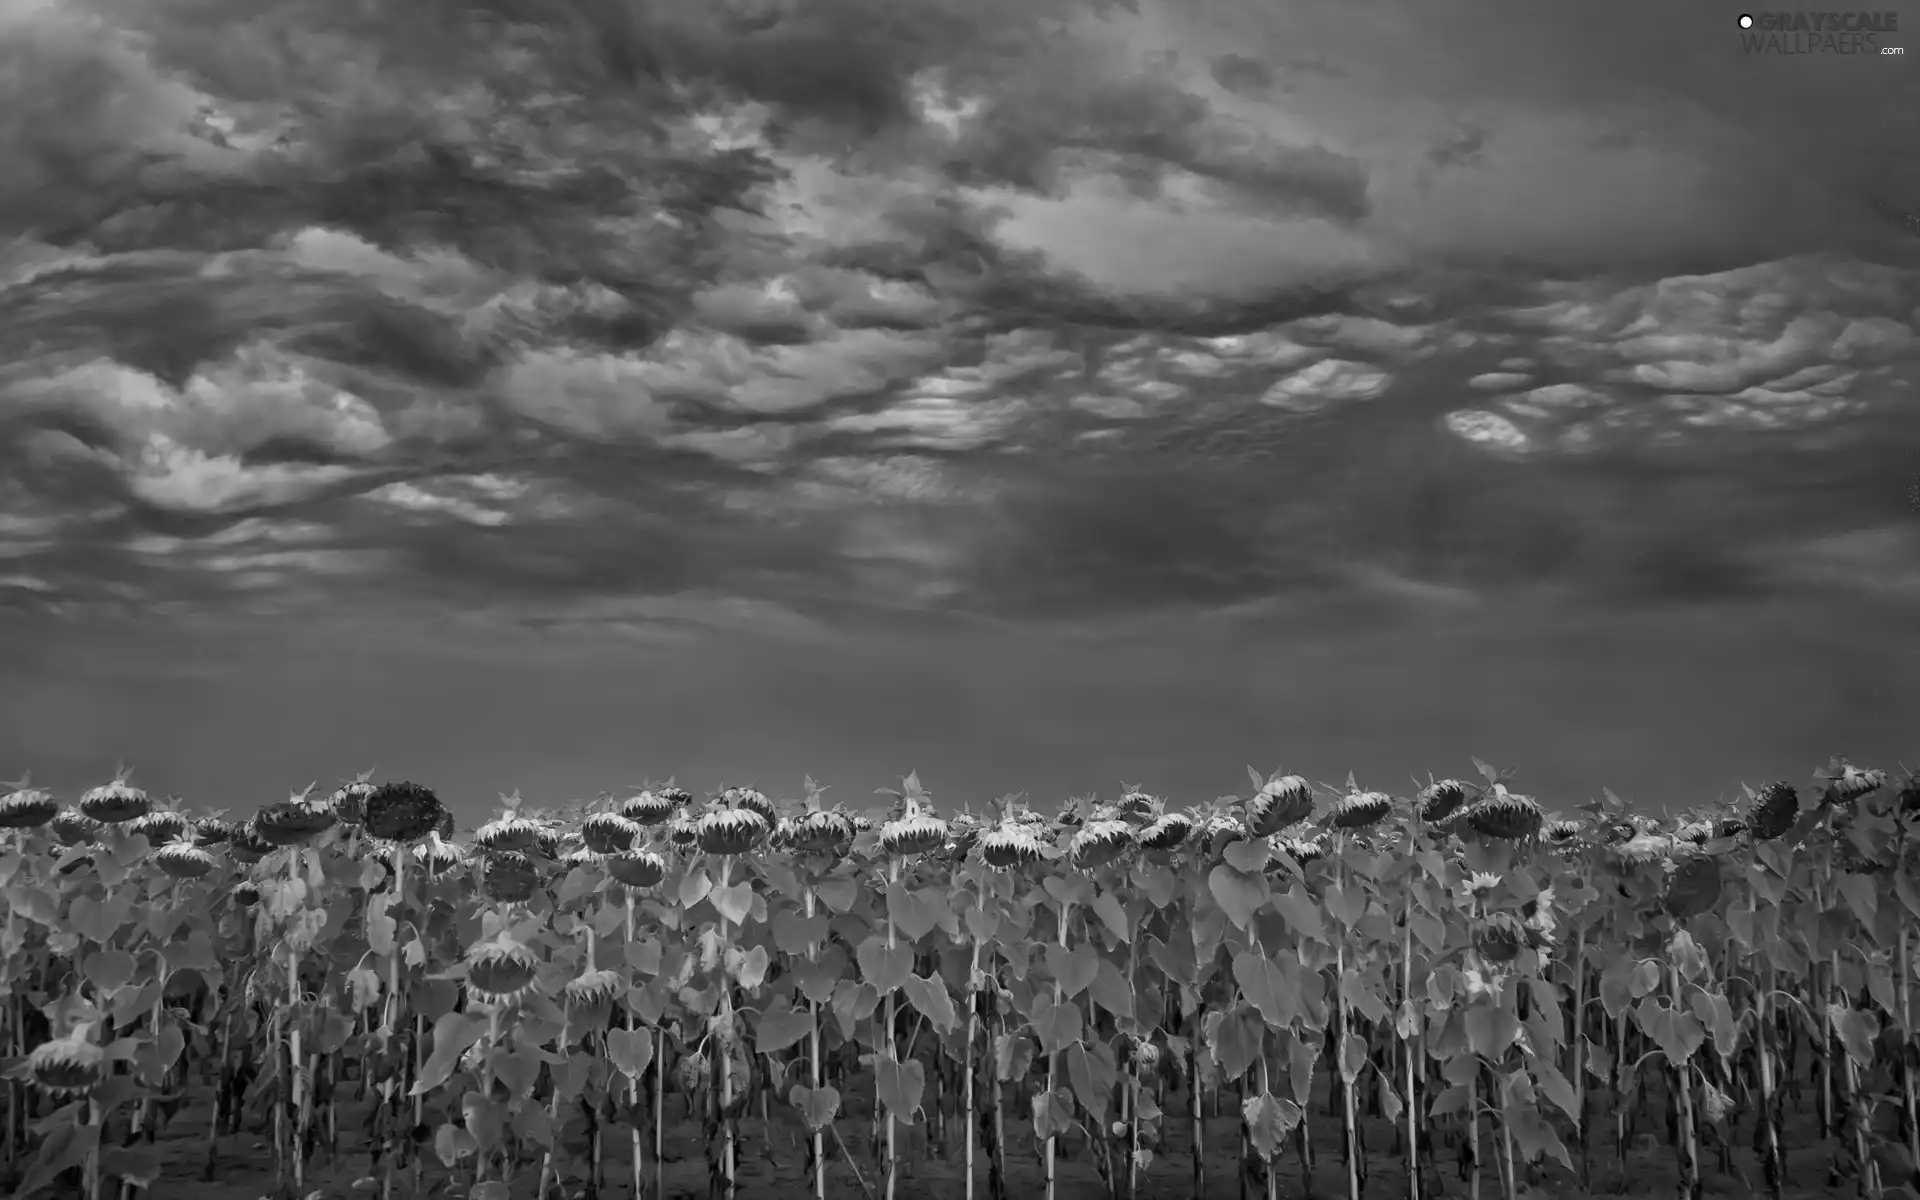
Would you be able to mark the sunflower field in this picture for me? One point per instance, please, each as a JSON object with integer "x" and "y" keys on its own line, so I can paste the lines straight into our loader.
{"x": 1446, "y": 993}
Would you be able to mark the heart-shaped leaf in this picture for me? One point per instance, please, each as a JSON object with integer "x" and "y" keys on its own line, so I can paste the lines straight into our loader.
{"x": 931, "y": 997}
{"x": 911, "y": 913}
{"x": 110, "y": 970}
{"x": 694, "y": 886}
{"x": 817, "y": 1106}
{"x": 1073, "y": 969}
{"x": 795, "y": 934}
{"x": 734, "y": 902}
{"x": 1238, "y": 893}
{"x": 781, "y": 1025}
{"x": 451, "y": 1144}
{"x": 885, "y": 969}
{"x": 630, "y": 1050}
{"x": 900, "y": 1086}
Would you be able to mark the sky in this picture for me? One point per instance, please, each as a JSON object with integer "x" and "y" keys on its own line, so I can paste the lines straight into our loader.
{"x": 1040, "y": 395}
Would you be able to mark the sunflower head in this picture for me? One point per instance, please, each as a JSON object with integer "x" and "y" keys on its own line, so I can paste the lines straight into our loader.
{"x": 1281, "y": 803}
{"x": 593, "y": 988}
{"x": 68, "y": 1067}
{"x": 161, "y": 826}
{"x": 608, "y": 833}
{"x": 637, "y": 868}
{"x": 1009, "y": 844}
{"x": 1166, "y": 831}
{"x": 728, "y": 830}
{"x": 74, "y": 828}
{"x": 501, "y": 970}
{"x": 1441, "y": 800}
{"x": 509, "y": 832}
{"x": 1099, "y": 842}
{"x": 509, "y": 877}
{"x": 211, "y": 831}
{"x": 1358, "y": 810}
{"x": 1504, "y": 816}
{"x": 1774, "y": 812}
{"x": 914, "y": 832}
{"x": 400, "y": 812}
{"x": 115, "y": 803}
{"x": 298, "y": 818}
{"x": 183, "y": 860}
{"x": 437, "y": 857}
{"x": 27, "y": 807}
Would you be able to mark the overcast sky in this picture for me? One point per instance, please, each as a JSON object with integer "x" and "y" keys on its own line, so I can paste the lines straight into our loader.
{"x": 1038, "y": 394}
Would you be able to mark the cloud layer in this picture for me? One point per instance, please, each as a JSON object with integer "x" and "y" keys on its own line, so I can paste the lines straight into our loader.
{"x": 664, "y": 318}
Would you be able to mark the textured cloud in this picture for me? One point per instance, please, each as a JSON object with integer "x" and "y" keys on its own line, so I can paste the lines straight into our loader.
{"x": 1016, "y": 311}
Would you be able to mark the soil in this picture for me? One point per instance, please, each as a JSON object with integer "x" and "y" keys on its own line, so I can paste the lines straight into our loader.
{"x": 773, "y": 1164}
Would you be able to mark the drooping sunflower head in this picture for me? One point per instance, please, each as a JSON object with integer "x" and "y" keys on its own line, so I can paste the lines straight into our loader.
{"x": 1166, "y": 831}
{"x": 637, "y": 868}
{"x": 299, "y": 818}
{"x": 1099, "y": 842}
{"x": 437, "y": 857}
{"x": 1504, "y": 816}
{"x": 750, "y": 798}
{"x": 68, "y": 1067}
{"x": 74, "y": 828}
{"x": 915, "y": 831}
{"x": 245, "y": 844}
{"x": 648, "y": 807}
{"x": 509, "y": 877}
{"x": 728, "y": 830}
{"x": 501, "y": 970}
{"x": 211, "y": 831}
{"x": 1441, "y": 800}
{"x": 401, "y": 812}
{"x": 1009, "y": 844}
{"x": 1358, "y": 810}
{"x": 183, "y": 860}
{"x": 1498, "y": 937}
{"x": 1279, "y": 804}
{"x": 115, "y": 803}
{"x": 1305, "y": 850}
{"x": 590, "y": 989}
{"x": 608, "y": 833}
{"x": 1847, "y": 783}
{"x": 509, "y": 832}
{"x": 161, "y": 826}
{"x": 27, "y": 807}
{"x": 1774, "y": 812}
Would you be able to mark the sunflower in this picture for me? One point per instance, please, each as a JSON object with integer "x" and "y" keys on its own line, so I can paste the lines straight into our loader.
{"x": 501, "y": 971}
{"x": 1441, "y": 800}
{"x": 914, "y": 832}
{"x": 115, "y": 803}
{"x": 1099, "y": 842}
{"x": 73, "y": 828}
{"x": 1775, "y": 811}
{"x": 1279, "y": 804}
{"x": 161, "y": 826}
{"x": 294, "y": 820}
{"x": 401, "y": 812}
{"x": 509, "y": 832}
{"x": 608, "y": 833}
{"x": 509, "y": 877}
{"x": 183, "y": 860}
{"x": 1358, "y": 810}
{"x": 729, "y": 830}
{"x": 1009, "y": 844}
{"x": 1166, "y": 831}
{"x": 637, "y": 868}
{"x": 68, "y": 1067}
{"x": 27, "y": 807}
{"x": 1504, "y": 816}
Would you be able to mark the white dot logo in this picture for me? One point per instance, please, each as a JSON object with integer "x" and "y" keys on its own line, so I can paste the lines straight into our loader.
{"x": 1746, "y": 22}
